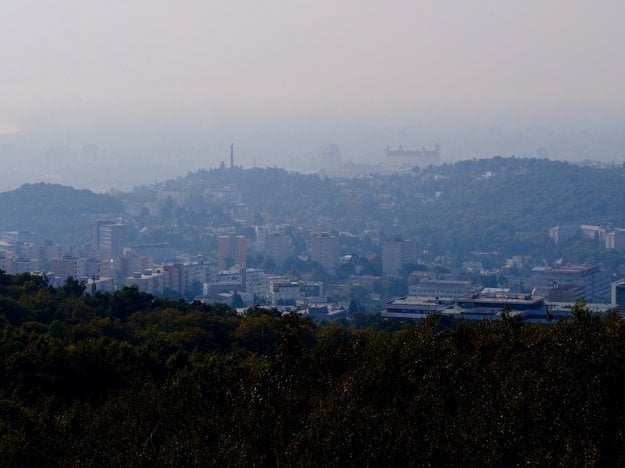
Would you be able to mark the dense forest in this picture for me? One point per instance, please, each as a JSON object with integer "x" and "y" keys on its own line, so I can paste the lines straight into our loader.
{"x": 131, "y": 379}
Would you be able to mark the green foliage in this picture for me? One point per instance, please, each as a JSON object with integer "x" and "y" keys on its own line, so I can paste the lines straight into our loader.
{"x": 130, "y": 379}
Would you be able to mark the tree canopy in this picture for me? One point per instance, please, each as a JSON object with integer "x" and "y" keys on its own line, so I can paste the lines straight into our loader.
{"x": 128, "y": 378}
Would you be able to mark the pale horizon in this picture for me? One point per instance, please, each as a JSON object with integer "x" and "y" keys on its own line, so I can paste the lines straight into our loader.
{"x": 283, "y": 79}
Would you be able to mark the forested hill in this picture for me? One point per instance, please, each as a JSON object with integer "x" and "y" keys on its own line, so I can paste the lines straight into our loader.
{"x": 498, "y": 203}
{"x": 55, "y": 212}
{"x": 504, "y": 204}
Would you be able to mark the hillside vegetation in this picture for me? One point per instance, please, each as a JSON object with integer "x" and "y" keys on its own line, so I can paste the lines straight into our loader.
{"x": 55, "y": 212}
{"x": 503, "y": 204}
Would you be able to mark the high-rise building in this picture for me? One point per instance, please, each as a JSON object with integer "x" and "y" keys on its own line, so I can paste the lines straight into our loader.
{"x": 396, "y": 254}
{"x": 109, "y": 237}
{"x": 324, "y": 249}
{"x": 255, "y": 282}
{"x": 232, "y": 251}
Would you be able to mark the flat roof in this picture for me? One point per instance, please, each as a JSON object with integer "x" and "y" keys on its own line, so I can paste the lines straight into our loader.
{"x": 414, "y": 300}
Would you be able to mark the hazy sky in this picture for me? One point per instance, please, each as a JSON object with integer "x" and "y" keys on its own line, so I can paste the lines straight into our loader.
{"x": 78, "y": 59}
{"x": 172, "y": 83}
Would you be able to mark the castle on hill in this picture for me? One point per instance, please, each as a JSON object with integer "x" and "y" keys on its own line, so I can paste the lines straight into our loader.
{"x": 403, "y": 159}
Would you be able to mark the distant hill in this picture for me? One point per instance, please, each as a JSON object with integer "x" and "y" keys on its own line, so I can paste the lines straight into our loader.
{"x": 504, "y": 204}
{"x": 62, "y": 214}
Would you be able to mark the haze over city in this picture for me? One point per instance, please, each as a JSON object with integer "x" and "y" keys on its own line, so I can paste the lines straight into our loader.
{"x": 312, "y": 233}
{"x": 159, "y": 89}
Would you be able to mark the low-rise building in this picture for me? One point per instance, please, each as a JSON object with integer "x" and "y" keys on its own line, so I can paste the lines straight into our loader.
{"x": 441, "y": 288}
{"x": 99, "y": 284}
{"x": 414, "y": 307}
{"x": 471, "y": 307}
{"x": 67, "y": 266}
{"x": 290, "y": 292}
{"x": 594, "y": 281}
{"x": 152, "y": 282}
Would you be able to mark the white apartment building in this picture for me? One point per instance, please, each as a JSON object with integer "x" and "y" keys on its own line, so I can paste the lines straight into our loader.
{"x": 152, "y": 282}
{"x": 289, "y": 292}
{"x": 255, "y": 281}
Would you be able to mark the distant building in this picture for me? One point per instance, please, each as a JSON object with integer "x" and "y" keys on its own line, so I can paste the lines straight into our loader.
{"x": 255, "y": 281}
{"x": 331, "y": 156}
{"x": 593, "y": 232}
{"x": 232, "y": 250}
{"x": 230, "y": 298}
{"x": 149, "y": 281}
{"x": 17, "y": 236}
{"x": 211, "y": 290}
{"x": 67, "y": 266}
{"x": 158, "y": 251}
{"x": 414, "y": 307}
{"x": 196, "y": 273}
{"x": 472, "y": 307}
{"x": 490, "y": 306}
{"x": 99, "y": 284}
{"x": 109, "y": 237}
{"x": 243, "y": 213}
{"x": 93, "y": 267}
{"x": 563, "y": 232}
{"x": 402, "y": 159}
{"x": 130, "y": 264}
{"x": 441, "y": 288}
{"x": 17, "y": 265}
{"x": 566, "y": 293}
{"x": 396, "y": 254}
{"x": 618, "y": 294}
{"x": 486, "y": 306}
{"x": 594, "y": 282}
{"x": 277, "y": 248}
{"x": 290, "y": 292}
{"x": 185, "y": 277}
{"x": 324, "y": 249}
{"x": 615, "y": 239}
